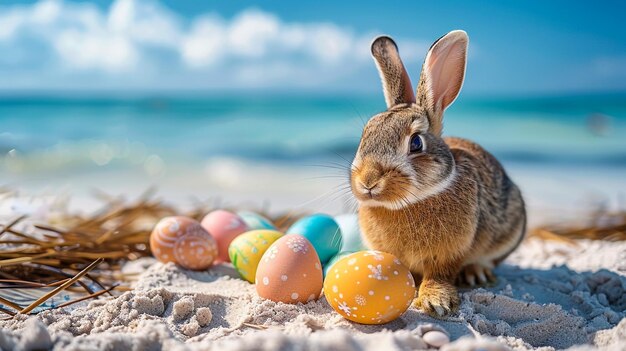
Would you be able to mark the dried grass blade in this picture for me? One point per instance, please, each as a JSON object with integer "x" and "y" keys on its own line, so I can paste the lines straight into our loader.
{"x": 10, "y": 225}
{"x": 62, "y": 287}
{"x": 25, "y": 237}
{"x": 49, "y": 270}
{"x": 13, "y": 261}
{"x": 104, "y": 237}
{"x": 255, "y": 326}
{"x": 20, "y": 281}
{"x": 92, "y": 277}
{"x": 50, "y": 229}
{"x": 90, "y": 296}
{"x": 10, "y": 303}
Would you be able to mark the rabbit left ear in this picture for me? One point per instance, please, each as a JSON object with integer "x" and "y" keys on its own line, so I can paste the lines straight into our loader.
{"x": 442, "y": 76}
{"x": 396, "y": 83}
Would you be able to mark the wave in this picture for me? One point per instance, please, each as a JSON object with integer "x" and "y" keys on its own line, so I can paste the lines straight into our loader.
{"x": 54, "y": 133}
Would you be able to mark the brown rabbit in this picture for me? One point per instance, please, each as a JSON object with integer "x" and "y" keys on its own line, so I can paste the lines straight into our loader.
{"x": 444, "y": 206}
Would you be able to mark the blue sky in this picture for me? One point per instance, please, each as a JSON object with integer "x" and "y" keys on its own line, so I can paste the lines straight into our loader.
{"x": 517, "y": 47}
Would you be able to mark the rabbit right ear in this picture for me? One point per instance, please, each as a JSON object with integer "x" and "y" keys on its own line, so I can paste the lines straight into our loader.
{"x": 442, "y": 76}
{"x": 396, "y": 83}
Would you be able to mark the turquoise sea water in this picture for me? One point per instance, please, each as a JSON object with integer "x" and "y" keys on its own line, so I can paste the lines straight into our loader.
{"x": 62, "y": 132}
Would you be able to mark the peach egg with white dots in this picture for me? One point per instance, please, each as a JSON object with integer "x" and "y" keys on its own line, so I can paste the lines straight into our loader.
{"x": 183, "y": 241}
{"x": 369, "y": 287}
{"x": 290, "y": 271}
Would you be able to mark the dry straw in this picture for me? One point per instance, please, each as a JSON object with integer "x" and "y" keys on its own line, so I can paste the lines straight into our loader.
{"x": 80, "y": 255}
{"x": 602, "y": 224}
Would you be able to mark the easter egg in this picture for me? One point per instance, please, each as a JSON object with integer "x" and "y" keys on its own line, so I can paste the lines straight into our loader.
{"x": 322, "y": 231}
{"x": 247, "y": 249}
{"x": 290, "y": 271}
{"x": 183, "y": 241}
{"x": 224, "y": 227}
{"x": 350, "y": 232}
{"x": 256, "y": 221}
{"x": 334, "y": 259}
{"x": 369, "y": 287}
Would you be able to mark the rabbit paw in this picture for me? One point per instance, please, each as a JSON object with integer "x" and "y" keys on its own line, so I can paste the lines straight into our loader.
{"x": 437, "y": 299}
{"x": 476, "y": 274}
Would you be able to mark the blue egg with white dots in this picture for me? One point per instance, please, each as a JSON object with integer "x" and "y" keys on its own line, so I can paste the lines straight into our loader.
{"x": 255, "y": 221}
{"x": 322, "y": 231}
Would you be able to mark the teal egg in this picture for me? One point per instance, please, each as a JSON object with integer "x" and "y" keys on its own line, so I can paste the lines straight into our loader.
{"x": 336, "y": 258}
{"x": 350, "y": 232}
{"x": 255, "y": 221}
{"x": 322, "y": 231}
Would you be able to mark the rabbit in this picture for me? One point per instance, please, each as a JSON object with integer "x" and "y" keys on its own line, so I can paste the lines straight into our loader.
{"x": 444, "y": 206}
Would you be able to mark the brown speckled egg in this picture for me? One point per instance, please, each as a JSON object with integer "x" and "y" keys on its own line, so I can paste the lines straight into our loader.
{"x": 183, "y": 241}
{"x": 224, "y": 227}
{"x": 290, "y": 271}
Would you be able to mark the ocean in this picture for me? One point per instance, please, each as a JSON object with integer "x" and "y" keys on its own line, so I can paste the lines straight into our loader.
{"x": 82, "y": 142}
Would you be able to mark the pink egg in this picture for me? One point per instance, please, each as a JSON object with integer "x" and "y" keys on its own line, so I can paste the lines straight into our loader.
{"x": 290, "y": 271}
{"x": 183, "y": 241}
{"x": 224, "y": 226}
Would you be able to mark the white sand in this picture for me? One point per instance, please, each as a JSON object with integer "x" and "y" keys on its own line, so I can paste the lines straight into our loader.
{"x": 549, "y": 296}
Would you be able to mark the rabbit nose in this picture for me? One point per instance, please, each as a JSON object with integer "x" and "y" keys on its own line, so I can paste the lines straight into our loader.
{"x": 369, "y": 178}
{"x": 370, "y": 189}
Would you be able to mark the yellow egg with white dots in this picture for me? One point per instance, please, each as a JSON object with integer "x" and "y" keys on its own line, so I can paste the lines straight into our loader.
{"x": 369, "y": 287}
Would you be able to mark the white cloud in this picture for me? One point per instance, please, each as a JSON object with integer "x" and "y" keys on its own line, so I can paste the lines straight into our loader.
{"x": 141, "y": 43}
{"x": 330, "y": 43}
{"x": 10, "y": 22}
{"x": 260, "y": 36}
{"x": 144, "y": 22}
{"x": 102, "y": 50}
{"x": 203, "y": 45}
{"x": 46, "y": 12}
{"x": 251, "y": 33}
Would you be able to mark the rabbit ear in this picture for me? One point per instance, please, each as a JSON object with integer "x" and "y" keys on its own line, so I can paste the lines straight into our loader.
{"x": 442, "y": 76}
{"x": 396, "y": 83}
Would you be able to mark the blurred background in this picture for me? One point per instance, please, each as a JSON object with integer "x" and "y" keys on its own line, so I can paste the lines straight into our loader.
{"x": 262, "y": 104}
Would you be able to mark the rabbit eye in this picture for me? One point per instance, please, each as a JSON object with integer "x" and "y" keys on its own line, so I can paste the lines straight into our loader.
{"x": 416, "y": 144}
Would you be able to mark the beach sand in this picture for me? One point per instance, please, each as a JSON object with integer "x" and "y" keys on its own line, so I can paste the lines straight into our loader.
{"x": 549, "y": 295}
